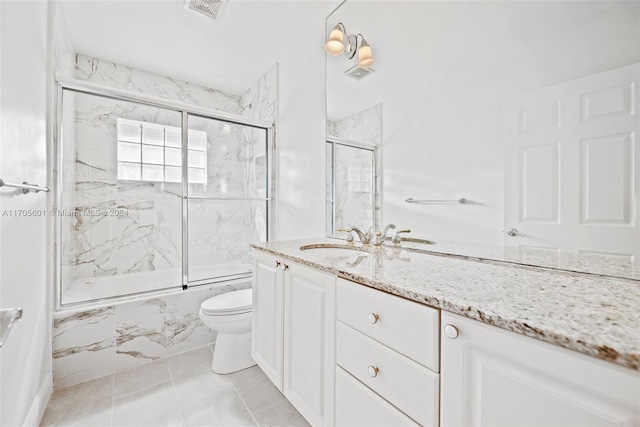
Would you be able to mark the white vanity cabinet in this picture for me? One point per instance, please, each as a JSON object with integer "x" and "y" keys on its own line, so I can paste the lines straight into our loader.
{"x": 293, "y": 333}
{"x": 493, "y": 377}
{"x": 387, "y": 356}
{"x": 268, "y": 320}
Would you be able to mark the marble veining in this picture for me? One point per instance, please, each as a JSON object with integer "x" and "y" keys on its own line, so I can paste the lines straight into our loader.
{"x": 593, "y": 315}
{"x": 355, "y": 198}
{"x": 149, "y": 237}
{"x": 91, "y": 343}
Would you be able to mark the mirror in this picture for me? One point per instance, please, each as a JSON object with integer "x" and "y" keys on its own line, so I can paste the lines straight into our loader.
{"x": 526, "y": 110}
{"x": 353, "y": 194}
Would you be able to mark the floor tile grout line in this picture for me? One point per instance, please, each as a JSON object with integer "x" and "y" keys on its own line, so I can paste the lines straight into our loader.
{"x": 113, "y": 397}
{"x": 175, "y": 392}
{"x": 245, "y": 404}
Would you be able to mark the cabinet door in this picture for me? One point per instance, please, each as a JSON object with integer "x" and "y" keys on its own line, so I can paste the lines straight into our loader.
{"x": 309, "y": 342}
{"x": 493, "y": 377}
{"x": 267, "y": 321}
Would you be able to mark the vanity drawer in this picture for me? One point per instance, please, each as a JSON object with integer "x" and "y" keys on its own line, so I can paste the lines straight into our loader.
{"x": 356, "y": 405}
{"x": 406, "y": 326}
{"x": 407, "y": 385}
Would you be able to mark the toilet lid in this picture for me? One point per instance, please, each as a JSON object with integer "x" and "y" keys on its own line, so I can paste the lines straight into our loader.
{"x": 229, "y": 302}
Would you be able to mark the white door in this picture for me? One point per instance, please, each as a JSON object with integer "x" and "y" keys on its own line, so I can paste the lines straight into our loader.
{"x": 309, "y": 342}
{"x": 572, "y": 165}
{"x": 493, "y": 377}
{"x": 266, "y": 339}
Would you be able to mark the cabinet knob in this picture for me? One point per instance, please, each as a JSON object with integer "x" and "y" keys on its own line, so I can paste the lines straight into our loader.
{"x": 286, "y": 266}
{"x": 277, "y": 264}
{"x": 451, "y": 331}
{"x": 373, "y": 371}
{"x": 373, "y": 318}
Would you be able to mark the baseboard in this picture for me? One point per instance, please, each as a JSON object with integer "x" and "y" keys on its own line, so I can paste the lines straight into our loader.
{"x": 40, "y": 403}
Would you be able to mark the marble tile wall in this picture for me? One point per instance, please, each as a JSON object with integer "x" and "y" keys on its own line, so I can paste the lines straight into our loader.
{"x": 106, "y": 73}
{"x": 261, "y": 100}
{"x": 352, "y": 203}
{"x": 149, "y": 236}
{"x": 91, "y": 343}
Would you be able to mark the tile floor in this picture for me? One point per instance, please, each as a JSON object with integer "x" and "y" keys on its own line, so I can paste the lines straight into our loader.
{"x": 177, "y": 391}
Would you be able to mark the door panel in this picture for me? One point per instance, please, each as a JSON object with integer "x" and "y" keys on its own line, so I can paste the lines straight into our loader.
{"x": 572, "y": 165}
{"x": 309, "y": 342}
{"x": 493, "y": 377}
{"x": 266, "y": 342}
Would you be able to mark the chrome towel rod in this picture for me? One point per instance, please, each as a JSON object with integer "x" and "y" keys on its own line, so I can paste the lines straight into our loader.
{"x": 25, "y": 186}
{"x": 429, "y": 202}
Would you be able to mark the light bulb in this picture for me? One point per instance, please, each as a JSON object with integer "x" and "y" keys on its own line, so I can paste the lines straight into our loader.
{"x": 335, "y": 44}
{"x": 365, "y": 57}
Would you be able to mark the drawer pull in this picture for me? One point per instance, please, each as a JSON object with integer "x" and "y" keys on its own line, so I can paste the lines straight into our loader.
{"x": 373, "y": 371}
{"x": 277, "y": 264}
{"x": 451, "y": 331}
{"x": 286, "y": 266}
{"x": 373, "y": 318}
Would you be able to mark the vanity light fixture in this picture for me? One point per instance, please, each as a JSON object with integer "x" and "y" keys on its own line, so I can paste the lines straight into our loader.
{"x": 339, "y": 42}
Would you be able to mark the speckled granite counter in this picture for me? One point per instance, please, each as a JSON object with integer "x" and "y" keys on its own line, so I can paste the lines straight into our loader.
{"x": 602, "y": 265}
{"x": 589, "y": 314}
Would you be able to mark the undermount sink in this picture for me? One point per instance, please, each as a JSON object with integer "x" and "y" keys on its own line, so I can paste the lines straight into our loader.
{"x": 334, "y": 250}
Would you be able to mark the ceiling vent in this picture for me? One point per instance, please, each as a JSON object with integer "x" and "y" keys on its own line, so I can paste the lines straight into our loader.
{"x": 357, "y": 73}
{"x": 211, "y": 8}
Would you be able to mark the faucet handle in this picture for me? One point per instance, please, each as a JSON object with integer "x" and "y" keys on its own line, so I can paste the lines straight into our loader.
{"x": 349, "y": 237}
{"x": 396, "y": 238}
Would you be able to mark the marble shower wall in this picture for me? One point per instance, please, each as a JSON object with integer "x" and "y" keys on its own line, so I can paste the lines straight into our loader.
{"x": 356, "y": 186}
{"x": 363, "y": 126}
{"x": 149, "y": 236}
{"x": 118, "y": 76}
{"x": 261, "y": 100}
{"x": 91, "y": 343}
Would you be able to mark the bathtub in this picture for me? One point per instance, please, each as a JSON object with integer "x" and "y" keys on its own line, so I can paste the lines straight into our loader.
{"x": 104, "y": 287}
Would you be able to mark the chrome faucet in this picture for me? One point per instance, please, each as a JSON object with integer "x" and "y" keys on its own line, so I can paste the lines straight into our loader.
{"x": 378, "y": 238}
{"x": 396, "y": 238}
{"x": 364, "y": 238}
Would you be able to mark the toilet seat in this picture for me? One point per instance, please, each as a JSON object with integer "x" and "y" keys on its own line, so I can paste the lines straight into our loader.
{"x": 229, "y": 303}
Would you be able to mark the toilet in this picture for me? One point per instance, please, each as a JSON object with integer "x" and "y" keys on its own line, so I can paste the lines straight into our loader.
{"x": 230, "y": 315}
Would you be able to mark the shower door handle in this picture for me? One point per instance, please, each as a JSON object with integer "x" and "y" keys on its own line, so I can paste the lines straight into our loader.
{"x": 7, "y": 318}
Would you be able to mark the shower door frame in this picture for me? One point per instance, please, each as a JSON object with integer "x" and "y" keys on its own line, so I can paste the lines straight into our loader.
{"x": 375, "y": 168}
{"x": 55, "y": 163}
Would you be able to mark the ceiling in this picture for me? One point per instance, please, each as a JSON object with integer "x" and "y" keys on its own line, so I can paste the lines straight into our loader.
{"x": 165, "y": 38}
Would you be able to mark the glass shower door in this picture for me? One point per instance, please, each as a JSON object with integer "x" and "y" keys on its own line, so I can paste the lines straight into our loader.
{"x": 120, "y": 193}
{"x": 227, "y": 198}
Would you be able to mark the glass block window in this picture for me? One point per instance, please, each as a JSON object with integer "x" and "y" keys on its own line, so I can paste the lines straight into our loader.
{"x": 151, "y": 152}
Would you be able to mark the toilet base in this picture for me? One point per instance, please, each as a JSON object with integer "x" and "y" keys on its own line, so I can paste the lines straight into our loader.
{"x": 232, "y": 353}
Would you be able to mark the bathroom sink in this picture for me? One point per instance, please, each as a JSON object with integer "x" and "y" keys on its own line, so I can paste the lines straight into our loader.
{"x": 339, "y": 251}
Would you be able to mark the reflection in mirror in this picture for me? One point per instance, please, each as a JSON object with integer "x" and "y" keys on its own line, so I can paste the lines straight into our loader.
{"x": 526, "y": 109}
{"x": 350, "y": 186}
{"x": 353, "y": 170}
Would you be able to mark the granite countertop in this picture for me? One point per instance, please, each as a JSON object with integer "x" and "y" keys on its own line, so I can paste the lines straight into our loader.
{"x": 593, "y": 315}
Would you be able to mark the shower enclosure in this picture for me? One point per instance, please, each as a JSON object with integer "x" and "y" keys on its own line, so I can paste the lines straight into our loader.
{"x": 350, "y": 186}
{"x": 154, "y": 194}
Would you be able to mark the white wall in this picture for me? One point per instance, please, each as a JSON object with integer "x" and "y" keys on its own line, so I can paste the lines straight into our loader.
{"x": 25, "y": 366}
{"x": 301, "y": 140}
